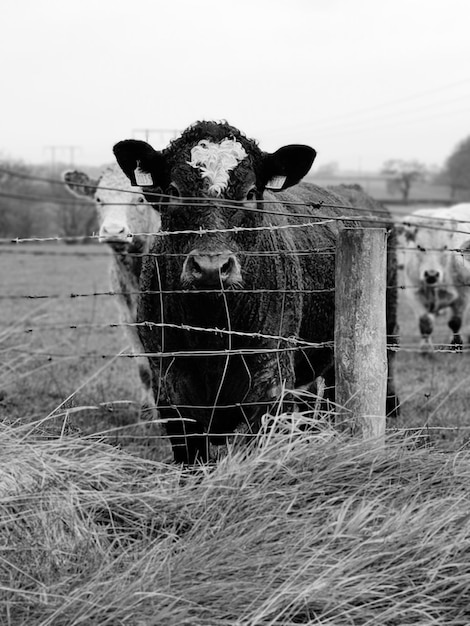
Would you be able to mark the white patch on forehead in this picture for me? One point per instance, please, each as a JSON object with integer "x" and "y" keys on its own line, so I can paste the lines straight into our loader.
{"x": 216, "y": 160}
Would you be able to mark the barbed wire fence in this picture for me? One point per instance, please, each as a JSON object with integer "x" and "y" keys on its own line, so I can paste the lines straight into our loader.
{"x": 19, "y": 246}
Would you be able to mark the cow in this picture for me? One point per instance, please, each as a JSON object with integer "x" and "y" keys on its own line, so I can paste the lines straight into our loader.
{"x": 126, "y": 222}
{"x": 232, "y": 284}
{"x": 436, "y": 268}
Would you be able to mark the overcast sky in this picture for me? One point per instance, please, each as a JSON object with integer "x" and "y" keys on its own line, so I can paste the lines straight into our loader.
{"x": 361, "y": 81}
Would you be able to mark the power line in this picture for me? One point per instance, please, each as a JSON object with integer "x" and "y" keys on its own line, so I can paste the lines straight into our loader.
{"x": 334, "y": 119}
{"x": 385, "y": 121}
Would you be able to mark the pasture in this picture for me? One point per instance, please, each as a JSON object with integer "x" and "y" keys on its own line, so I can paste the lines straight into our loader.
{"x": 302, "y": 528}
{"x": 60, "y": 351}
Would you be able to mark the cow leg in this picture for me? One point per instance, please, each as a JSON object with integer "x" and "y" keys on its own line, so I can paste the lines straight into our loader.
{"x": 455, "y": 323}
{"x": 189, "y": 450}
{"x": 125, "y": 283}
{"x": 148, "y": 411}
{"x": 311, "y": 395}
{"x": 426, "y": 326}
{"x": 187, "y": 443}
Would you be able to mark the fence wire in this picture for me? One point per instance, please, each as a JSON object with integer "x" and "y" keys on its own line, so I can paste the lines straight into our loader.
{"x": 349, "y": 213}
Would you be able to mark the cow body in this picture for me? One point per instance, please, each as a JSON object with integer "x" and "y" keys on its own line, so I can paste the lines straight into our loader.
{"x": 259, "y": 284}
{"x": 436, "y": 269}
{"x": 126, "y": 222}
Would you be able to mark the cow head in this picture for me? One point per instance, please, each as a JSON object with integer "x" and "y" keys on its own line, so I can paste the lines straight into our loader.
{"x": 427, "y": 243}
{"x": 211, "y": 178}
{"x": 123, "y": 214}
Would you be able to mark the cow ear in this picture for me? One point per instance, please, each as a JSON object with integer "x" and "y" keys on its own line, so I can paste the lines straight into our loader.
{"x": 79, "y": 183}
{"x": 406, "y": 230}
{"x": 465, "y": 246}
{"x": 143, "y": 166}
{"x": 287, "y": 166}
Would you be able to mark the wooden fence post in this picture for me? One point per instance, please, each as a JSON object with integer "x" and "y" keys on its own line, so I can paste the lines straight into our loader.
{"x": 360, "y": 331}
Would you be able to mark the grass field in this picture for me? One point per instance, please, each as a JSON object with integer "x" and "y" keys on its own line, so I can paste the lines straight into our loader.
{"x": 305, "y": 527}
{"x": 50, "y": 367}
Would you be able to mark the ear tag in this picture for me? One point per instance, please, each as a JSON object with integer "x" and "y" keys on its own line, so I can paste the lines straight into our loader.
{"x": 276, "y": 182}
{"x": 142, "y": 179}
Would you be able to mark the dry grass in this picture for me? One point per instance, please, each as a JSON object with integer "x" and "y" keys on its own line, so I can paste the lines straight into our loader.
{"x": 41, "y": 365}
{"x": 298, "y": 528}
{"x": 302, "y": 528}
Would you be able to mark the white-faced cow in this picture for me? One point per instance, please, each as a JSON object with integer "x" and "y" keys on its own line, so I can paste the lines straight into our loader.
{"x": 435, "y": 255}
{"x": 222, "y": 296}
{"x": 126, "y": 222}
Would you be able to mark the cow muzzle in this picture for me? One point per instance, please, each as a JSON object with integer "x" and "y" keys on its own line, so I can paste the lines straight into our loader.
{"x": 431, "y": 277}
{"x": 115, "y": 234}
{"x": 211, "y": 270}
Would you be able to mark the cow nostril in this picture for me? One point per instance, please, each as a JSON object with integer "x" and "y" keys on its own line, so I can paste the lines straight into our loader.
{"x": 431, "y": 276}
{"x": 195, "y": 266}
{"x": 227, "y": 267}
{"x": 210, "y": 268}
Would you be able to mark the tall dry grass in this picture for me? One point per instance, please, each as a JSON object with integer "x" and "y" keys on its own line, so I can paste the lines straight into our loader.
{"x": 298, "y": 528}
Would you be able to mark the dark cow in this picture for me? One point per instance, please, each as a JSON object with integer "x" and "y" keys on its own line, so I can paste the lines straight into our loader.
{"x": 260, "y": 280}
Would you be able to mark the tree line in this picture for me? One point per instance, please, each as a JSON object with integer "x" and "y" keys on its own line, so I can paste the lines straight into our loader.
{"x": 455, "y": 174}
{"x": 31, "y": 207}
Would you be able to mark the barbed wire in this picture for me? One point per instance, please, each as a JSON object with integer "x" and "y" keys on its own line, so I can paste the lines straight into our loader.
{"x": 439, "y": 347}
{"x": 234, "y": 203}
{"x": 157, "y": 194}
{"x": 46, "y": 198}
{"x": 108, "y": 252}
{"x": 169, "y": 354}
{"x": 195, "y": 292}
{"x": 182, "y": 201}
{"x": 188, "y": 327}
{"x": 321, "y": 221}
{"x": 200, "y": 231}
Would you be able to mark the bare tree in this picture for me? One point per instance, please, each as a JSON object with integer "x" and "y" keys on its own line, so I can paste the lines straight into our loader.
{"x": 403, "y": 174}
{"x": 34, "y": 202}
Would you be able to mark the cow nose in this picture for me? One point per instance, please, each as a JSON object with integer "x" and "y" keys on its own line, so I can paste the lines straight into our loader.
{"x": 114, "y": 232}
{"x": 211, "y": 269}
{"x": 431, "y": 276}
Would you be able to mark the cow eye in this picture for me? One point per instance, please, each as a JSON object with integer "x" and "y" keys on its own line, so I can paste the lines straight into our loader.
{"x": 98, "y": 200}
{"x": 251, "y": 195}
{"x": 140, "y": 199}
{"x": 173, "y": 191}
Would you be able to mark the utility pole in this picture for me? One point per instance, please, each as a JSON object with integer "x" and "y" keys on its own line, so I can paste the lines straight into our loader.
{"x": 71, "y": 150}
{"x": 54, "y": 150}
{"x": 162, "y": 132}
{"x": 68, "y": 213}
